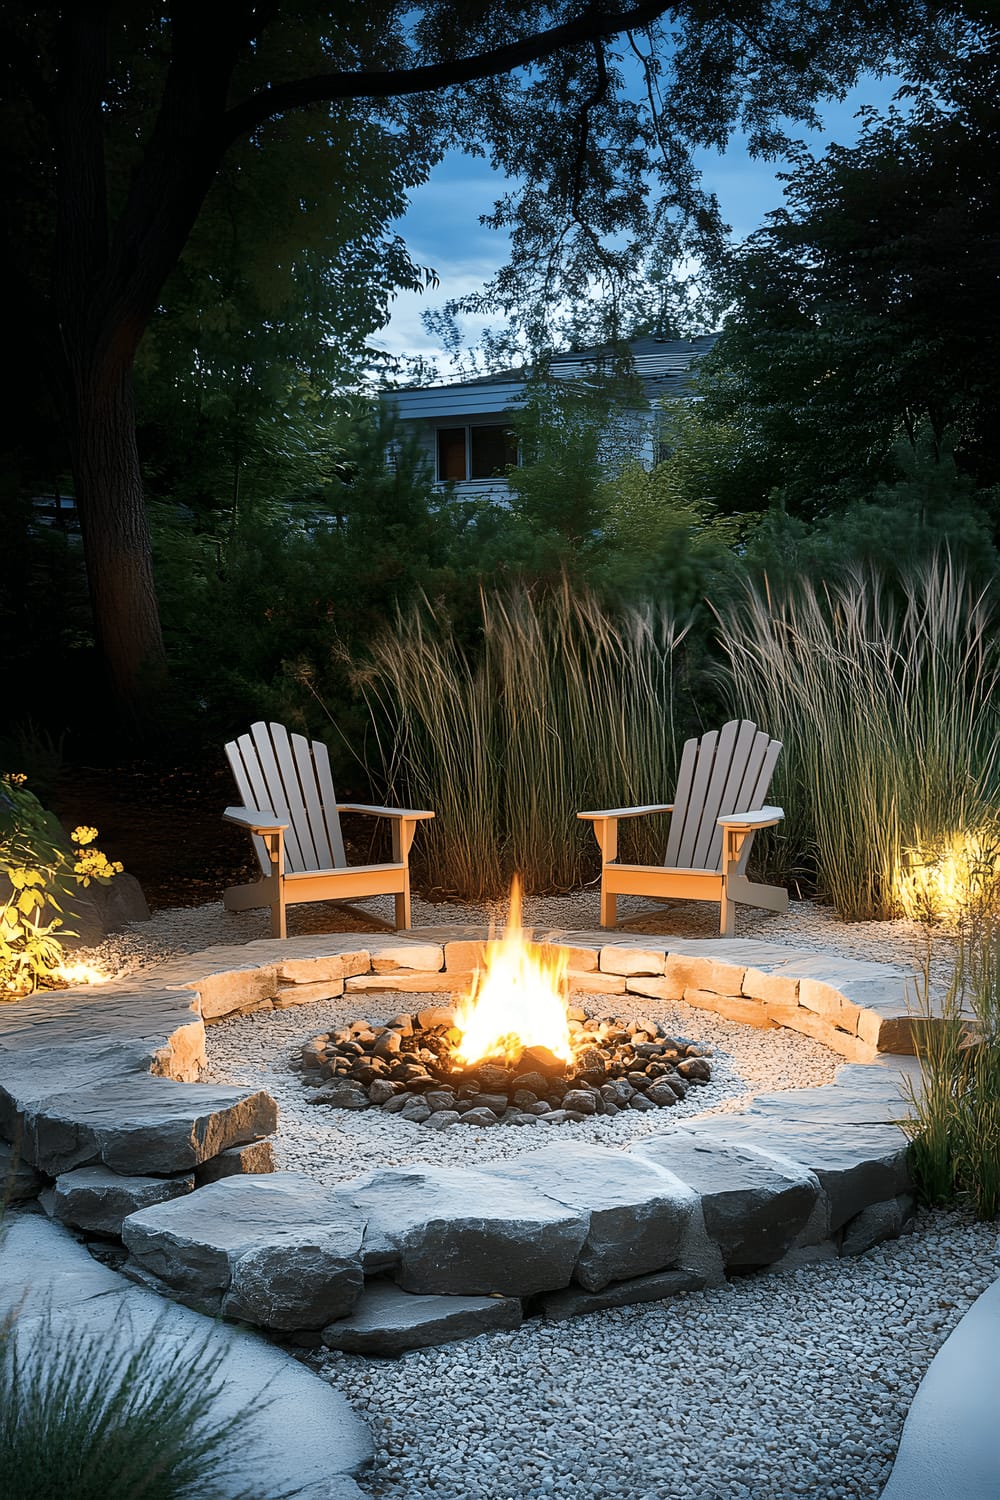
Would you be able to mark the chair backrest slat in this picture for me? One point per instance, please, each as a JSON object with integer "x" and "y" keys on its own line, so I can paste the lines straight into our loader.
{"x": 245, "y": 766}
{"x": 728, "y": 747}
{"x": 321, "y": 801}
{"x": 308, "y": 856}
{"x": 726, "y": 771}
{"x": 275, "y": 796}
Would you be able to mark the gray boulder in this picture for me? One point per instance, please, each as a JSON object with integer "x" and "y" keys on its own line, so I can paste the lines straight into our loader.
{"x": 95, "y": 1199}
{"x": 753, "y": 1207}
{"x": 638, "y": 1212}
{"x": 278, "y": 1250}
{"x": 466, "y": 1233}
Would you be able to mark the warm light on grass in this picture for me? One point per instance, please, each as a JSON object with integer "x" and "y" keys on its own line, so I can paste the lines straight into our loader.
{"x": 951, "y": 878}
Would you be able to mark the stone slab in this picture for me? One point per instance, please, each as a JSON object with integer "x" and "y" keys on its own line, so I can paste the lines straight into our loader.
{"x": 299, "y": 1434}
{"x": 390, "y": 954}
{"x": 280, "y": 1250}
{"x": 856, "y": 1164}
{"x": 330, "y": 966}
{"x": 141, "y": 1125}
{"x": 638, "y": 1212}
{"x": 573, "y": 1302}
{"x": 429, "y": 982}
{"x": 94, "y": 1199}
{"x": 387, "y": 1320}
{"x": 18, "y": 1181}
{"x": 838, "y": 1104}
{"x": 307, "y": 994}
{"x": 628, "y": 960}
{"x": 753, "y": 1207}
{"x": 255, "y": 1157}
{"x": 466, "y": 1233}
{"x": 731, "y": 1008}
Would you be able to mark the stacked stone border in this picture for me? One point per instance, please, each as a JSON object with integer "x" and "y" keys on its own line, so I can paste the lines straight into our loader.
{"x": 105, "y": 1119}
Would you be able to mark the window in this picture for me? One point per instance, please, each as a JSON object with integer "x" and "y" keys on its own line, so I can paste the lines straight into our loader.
{"x": 475, "y": 452}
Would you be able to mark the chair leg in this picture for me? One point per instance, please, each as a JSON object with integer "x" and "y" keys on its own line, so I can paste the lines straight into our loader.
{"x": 403, "y": 905}
{"x": 727, "y": 917}
{"x": 279, "y": 926}
{"x": 609, "y": 907}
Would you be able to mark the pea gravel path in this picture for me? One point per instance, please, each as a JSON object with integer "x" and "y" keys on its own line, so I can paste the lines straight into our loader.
{"x": 775, "y": 1386}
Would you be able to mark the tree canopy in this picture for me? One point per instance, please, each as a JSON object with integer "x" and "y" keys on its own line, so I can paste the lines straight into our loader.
{"x": 120, "y": 118}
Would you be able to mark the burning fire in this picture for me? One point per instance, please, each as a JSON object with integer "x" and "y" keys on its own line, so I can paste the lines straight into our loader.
{"x": 518, "y": 1001}
{"x": 79, "y": 974}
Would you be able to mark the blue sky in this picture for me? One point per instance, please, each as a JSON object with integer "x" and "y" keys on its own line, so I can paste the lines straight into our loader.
{"x": 442, "y": 226}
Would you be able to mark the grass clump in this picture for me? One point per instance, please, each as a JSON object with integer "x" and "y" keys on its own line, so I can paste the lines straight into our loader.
{"x": 955, "y": 1125}
{"x": 80, "y": 1419}
{"x": 563, "y": 705}
{"x": 885, "y": 694}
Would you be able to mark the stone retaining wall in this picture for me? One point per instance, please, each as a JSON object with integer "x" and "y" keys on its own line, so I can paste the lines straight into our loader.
{"x": 100, "y": 1102}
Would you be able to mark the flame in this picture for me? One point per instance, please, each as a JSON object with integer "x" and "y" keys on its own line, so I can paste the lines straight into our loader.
{"x": 518, "y": 1000}
{"x": 79, "y": 974}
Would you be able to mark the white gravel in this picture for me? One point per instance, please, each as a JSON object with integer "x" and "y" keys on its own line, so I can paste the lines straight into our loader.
{"x": 775, "y": 1386}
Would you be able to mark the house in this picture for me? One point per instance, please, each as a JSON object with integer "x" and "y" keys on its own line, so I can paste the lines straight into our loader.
{"x": 465, "y": 428}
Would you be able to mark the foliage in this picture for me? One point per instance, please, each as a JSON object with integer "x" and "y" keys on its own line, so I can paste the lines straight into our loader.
{"x": 955, "y": 1121}
{"x": 887, "y": 704}
{"x": 563, "y": 705}
{"x": 80, "y": 1418}
{"x": 866, "y": 310}
{"x": 40, "y": 871}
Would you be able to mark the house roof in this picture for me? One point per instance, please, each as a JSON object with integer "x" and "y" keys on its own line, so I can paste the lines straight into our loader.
{"x": 663, "y": 366}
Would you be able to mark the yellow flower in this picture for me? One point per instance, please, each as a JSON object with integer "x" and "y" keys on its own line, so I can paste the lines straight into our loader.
{"x": 14, "y": 778}
{"x": 83, "y": 835}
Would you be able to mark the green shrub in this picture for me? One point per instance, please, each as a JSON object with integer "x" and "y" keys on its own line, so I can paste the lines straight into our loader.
{"x": 564, "y": 706}
{"x": 82, "y": 1420}
{"x": 955, "y": 1126}
{"x": 37, "y": 871}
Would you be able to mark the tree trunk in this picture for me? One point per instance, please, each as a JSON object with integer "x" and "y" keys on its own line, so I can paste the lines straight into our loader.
{"x": 116, "y": 543}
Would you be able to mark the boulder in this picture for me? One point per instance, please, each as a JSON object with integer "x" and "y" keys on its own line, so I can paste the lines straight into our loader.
{"x": 278, "y": 1250}
{"x": 638, "y": 1212}
{"x": 255, "y": 1157}
{"x": 94, "y": 1199}
{"x": 140, "y": 1125}
{"x": 466, "y": 1233}
{"x": 877, "y": 1222}
{"x": 91, "y": 912}
{"x": 856, "y": 1165}
{"x": 18, "y": 1181}
{"x": 572, "y": 1303}
{"x": 387, "y": 1320}
{"x": 753, "y": 1206}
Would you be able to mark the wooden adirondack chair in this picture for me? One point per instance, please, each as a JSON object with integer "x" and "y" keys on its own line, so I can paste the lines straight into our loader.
{"x": 717, "y": 809}
{"x": 292, "y": 813}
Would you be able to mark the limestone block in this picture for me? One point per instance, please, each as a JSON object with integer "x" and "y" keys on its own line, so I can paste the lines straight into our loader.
{"x": 327, "y": 967}
{"x": 427, "y": 982}
{"x": 95, "y": 1199}
{"x": 571, "y": 1303}
{"x": 580, "y": 960}
{"x": 143, "y": 1126}
{"x": 391, "y": 954}
{"x": 593, "y": 983}
{"x": 657, "y": 987}
{"x": 466, "y": 1233}
{"x": 797, "y": 1018}
{"x": 464, "y": 955}
{"x": 638, "y": 1212}
{"x": 856, "y": 1164}
{"x": 308, "y": 994}
{"x": 731, "y": 1007}
{"x": 183, "y": 1055}
{"x": 704, "y": 973}
{"x": 886, "y": 1033}
{"x": 761, "y": 984}
{"x": 827, "y": 1001}
{"x": 626, "y": 960}
{"x": 234, "y": 989}
{"x": 877, "y": 1222}
{"x": 387, "y": 1320}
{"x": 254, "y": 1158}
{"x": 753, "y": 1206}
{"x": 283, "y": 1251}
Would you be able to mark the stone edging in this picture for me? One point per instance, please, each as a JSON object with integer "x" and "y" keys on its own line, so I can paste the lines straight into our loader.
{"x": 98, "y": 1091}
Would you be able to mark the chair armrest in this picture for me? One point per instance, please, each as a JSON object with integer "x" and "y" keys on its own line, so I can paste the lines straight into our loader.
{"x": 257, "y": 819}
{"x": 382, "y": 812}
{"x": 629, "y": 812}
{"x": 764, "y": 817}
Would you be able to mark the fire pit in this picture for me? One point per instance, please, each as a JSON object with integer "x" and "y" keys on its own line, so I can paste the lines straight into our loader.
{"x": 514, "y": 1053}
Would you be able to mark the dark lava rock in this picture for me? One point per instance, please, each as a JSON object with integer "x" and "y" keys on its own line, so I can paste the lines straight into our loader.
{"x": 583, "y": 1101}
{"x": 695, "y": 1068}
{"x": 536, "y": 1083}
{"x": 482, "y": 1117}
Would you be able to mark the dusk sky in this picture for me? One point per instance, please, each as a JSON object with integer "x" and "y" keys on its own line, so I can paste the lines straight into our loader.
{"x": 443, "y": 231}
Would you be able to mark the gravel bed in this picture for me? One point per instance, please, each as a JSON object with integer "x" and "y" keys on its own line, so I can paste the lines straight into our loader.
{"x": 776, "y": 1386}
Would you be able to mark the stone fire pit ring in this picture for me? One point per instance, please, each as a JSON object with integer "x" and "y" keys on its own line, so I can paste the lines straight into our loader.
{"x": 99, "y": 1093}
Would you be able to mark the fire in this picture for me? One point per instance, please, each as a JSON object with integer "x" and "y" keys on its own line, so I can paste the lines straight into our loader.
{"x": 518, "y": 1000}
{"x": 79, "y": 974}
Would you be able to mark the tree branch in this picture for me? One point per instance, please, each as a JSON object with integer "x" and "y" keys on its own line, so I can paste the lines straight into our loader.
{"x": 594, "y": 26}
